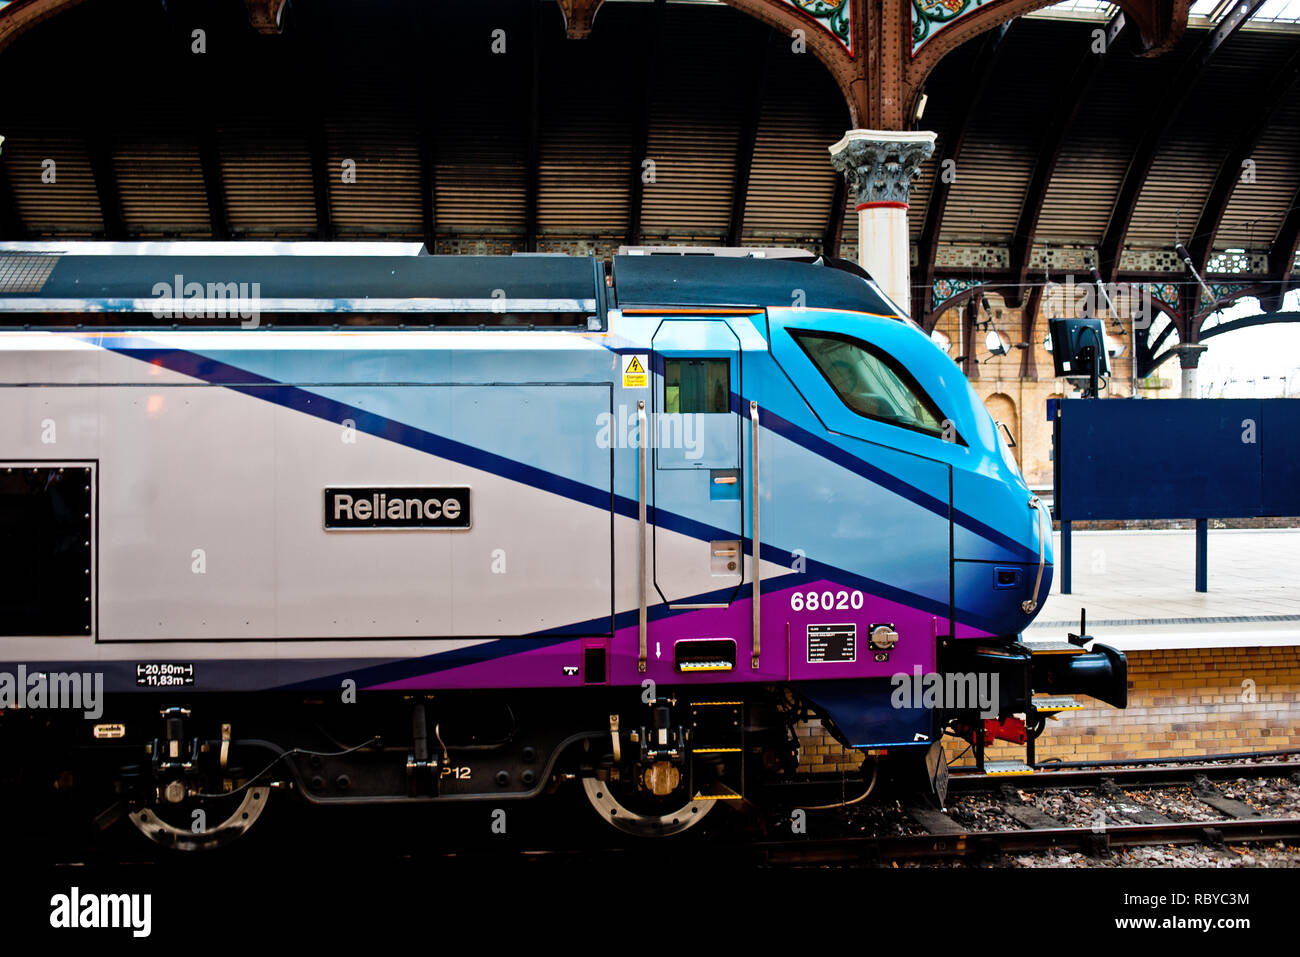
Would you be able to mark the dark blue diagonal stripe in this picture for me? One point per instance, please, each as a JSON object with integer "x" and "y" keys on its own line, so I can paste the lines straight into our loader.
{"x": 310, "y": 403}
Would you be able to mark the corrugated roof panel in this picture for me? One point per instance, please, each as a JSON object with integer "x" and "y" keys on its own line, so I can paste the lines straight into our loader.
{"x": 1004, "y": 136}
{"x": 941, "y": 108}
{"x": 480, "y": 147}
{"x": 262, "y": 158}
{"x": 1255, "y": 213}
{"x": 374, "y": 172}
{"x": 1256, "y": 209}
{"x": 1174, "y": 193}
{"x": 791, "y": 180}
{"x": 1101, "y": 142}
{"x": 699, "y": 97}
{"x": 1178, "y": 185}
{"x": 1078, "y": 202}
{"x": 585, "y": 148}
{"x": 160, "y": 181}
{"x": 984, "y": 204}
{"x": 69, "y": 206}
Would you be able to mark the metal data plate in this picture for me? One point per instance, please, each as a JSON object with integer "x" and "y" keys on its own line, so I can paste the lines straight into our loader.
{"x": 832, "y": 643}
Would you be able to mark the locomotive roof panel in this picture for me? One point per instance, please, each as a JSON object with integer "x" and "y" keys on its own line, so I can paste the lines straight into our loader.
{"x": 43, "y": 282}
{"x": 322, "y": 277}
{"x": 735, "y": 281}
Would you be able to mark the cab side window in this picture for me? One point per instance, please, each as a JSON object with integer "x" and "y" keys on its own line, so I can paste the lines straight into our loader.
{"x": 697, "y": 385}
{"x": 872, "y": 384}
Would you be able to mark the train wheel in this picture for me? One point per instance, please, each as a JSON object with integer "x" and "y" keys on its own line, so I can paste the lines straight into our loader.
{"x": 654, "y": 822}
{"x": 202, "y": 837}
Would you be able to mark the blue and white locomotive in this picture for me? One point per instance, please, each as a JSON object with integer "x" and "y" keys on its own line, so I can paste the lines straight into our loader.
{"x": 501, "y": 520}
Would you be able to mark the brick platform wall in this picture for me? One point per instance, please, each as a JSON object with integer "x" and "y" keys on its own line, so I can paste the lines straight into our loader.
{"x": 1183, "y": 702}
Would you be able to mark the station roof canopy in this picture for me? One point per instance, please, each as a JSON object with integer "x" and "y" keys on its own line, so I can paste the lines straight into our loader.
{"x": 484, "y": 129}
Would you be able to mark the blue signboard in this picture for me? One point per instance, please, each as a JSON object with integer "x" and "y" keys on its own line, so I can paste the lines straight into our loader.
{"x": 1176, "y": 458}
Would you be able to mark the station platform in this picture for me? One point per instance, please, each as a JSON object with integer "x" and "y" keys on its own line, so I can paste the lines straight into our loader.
{"x": 1139, "y": 592}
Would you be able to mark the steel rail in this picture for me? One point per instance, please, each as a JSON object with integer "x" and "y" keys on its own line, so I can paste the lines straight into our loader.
{"x": 989, "y": 843}
{"x": 1161, "y": 776}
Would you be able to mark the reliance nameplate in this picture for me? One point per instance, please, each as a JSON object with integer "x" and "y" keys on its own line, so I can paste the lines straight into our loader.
{"x": 406, "y": 506}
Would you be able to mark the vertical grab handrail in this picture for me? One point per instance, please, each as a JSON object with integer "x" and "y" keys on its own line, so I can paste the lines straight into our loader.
{"x": 1028, "y": 607}
{"x": 753, "y": 471}
{"x": 641, "y": 534}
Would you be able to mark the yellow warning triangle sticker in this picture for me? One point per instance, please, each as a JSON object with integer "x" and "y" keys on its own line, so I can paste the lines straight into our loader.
{"x": 633, "y": 367}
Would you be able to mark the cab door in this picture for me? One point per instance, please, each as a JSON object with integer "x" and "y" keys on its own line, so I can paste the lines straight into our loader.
{"x": 697, "y": 469}
{"x": 887, "y": 516}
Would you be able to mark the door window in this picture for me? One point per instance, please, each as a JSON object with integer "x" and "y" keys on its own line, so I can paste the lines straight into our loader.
{"x": 697, "y": 385}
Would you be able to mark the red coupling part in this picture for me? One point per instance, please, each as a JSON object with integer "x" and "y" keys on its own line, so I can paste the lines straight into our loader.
{"x": 1012, "y": 729}
{"x": 990, "y": 730}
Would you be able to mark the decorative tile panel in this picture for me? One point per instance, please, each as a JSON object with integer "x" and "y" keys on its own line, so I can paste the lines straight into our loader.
{"x": 833, "y": 16}
{"x": 931, "y": 16}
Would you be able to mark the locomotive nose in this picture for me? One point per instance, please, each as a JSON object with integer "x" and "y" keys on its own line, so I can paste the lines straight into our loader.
{"x": 1003, "y": 593}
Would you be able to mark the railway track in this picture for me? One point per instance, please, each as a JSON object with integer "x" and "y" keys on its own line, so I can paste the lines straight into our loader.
{"x": 1147, "y": 776}
{"x": 966, "y": 844}
{"x": 946, "y": 837}
{"x": 839, "y": 836}
{"x": 1236, "y": 823}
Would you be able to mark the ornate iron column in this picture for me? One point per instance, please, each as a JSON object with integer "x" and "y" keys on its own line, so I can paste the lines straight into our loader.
{"x": 1189, "y": 357}
{"x": 880, "y": 166}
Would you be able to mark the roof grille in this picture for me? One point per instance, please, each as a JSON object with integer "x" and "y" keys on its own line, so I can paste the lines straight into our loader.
{"x": 25, "y": 273}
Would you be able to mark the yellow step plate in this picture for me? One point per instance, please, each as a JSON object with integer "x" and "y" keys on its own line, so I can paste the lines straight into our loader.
{"x": 1007, "y": 768}
{"x": 724, "y": 794}
{"x": 1055, "y": 704}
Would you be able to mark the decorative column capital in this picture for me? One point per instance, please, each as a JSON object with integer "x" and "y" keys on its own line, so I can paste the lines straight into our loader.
{"x": 880, "y": 165}
{"x": 1189, "y": 354}
{"x": 578, "y": 17}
